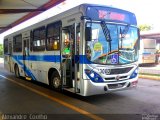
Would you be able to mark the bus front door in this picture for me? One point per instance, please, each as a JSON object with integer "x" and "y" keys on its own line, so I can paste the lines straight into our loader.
{"x": 69, "y": 63}
{"x": 8, "y": 59}
{"x": 25, "y": 56}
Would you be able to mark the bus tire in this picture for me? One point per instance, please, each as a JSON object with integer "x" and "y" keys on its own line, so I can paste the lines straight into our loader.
{"x": 55, "y": 81}
{"x": 16, "y": 71}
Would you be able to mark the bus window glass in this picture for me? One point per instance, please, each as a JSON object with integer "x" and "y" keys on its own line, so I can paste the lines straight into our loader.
{"x": 17, "y": 43}
{"x": 5, "y": 46}
{"x": 128, "y": 44}
{"x": 39, "y": 39}
{"x": 53, "y": 33}
{"x": 112, "y": 44}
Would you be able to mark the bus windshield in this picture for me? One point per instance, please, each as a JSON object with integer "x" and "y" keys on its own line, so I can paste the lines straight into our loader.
{"x": 112, "y": 44}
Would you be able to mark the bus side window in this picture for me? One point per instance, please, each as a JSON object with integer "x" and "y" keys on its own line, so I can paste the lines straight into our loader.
{"x": 39, "y": 39}
{"x": 53, "y": 36}
{"x": 31, "y": 40}
{"x": 17, "y": 43}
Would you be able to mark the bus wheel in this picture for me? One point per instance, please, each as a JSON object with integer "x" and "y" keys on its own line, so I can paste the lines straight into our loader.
{"x": 16, "y": 70}
{"x": 55, "y": 81}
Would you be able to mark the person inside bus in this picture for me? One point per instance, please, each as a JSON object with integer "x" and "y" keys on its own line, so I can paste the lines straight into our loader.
{"x": 66, "y": 51}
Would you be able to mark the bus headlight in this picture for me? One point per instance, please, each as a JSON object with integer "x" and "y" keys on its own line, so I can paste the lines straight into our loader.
{"x": 93, "y": 76}
{"x": 134, "y": 74}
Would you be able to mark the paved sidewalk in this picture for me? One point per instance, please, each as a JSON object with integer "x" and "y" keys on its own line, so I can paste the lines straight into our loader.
{"x": 149, "y": 77}
{"x": 152, "y": 71}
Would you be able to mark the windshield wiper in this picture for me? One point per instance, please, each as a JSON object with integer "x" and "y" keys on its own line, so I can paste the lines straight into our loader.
{"x": 106, "y": 33}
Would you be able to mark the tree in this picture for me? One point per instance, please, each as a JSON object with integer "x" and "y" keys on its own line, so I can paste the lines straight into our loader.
{"x": 145, "y": 27}
{"x": 1, "y": 50}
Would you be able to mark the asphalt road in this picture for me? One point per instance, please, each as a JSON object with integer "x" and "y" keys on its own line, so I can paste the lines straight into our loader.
{"x": 144, "y": 99}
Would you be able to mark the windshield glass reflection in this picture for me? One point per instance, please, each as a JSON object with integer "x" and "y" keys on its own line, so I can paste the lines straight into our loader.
{"x": 112, "y": 44}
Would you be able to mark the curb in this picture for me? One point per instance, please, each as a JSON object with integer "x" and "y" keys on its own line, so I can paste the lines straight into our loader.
{"x": 149, "y": 77}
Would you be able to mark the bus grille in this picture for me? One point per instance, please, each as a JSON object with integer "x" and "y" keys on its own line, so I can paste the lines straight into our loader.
{"x": 113, "y": 79}
{"x": 120, "y": 70}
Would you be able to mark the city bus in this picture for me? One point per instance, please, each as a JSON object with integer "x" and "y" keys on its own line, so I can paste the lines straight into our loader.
{"x": 88, "y": 50}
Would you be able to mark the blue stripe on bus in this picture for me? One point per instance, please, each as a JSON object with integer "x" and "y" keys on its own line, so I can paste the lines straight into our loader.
{"x": 57, "y": 58}
{"x": 47, "y": 58}
{"x": 24, "y": 67}
{"x": 51, "y": 58}
{"x": 29, "y": 73}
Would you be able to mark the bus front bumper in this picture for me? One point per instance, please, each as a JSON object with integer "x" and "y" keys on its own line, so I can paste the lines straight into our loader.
{"x": 91, "y": 88}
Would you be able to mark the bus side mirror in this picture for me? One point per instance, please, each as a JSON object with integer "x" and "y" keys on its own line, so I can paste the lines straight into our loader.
{"x": 88, "y": 33}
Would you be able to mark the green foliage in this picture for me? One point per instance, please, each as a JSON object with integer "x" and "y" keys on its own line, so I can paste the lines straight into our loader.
{"x": 145, "y": 27}
{"x": 1, "y": 50}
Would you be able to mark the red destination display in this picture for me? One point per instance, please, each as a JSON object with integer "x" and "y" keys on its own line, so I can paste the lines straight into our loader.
{"x": 111, "y": 15}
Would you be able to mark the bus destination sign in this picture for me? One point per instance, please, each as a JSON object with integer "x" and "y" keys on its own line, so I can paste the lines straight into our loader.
{"x": 109, "y": 15}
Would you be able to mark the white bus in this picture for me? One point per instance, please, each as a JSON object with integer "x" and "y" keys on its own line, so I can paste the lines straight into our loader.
{"x": 87, "y": 50}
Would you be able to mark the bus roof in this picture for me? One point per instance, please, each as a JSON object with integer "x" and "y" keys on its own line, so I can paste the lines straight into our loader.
{"x": 92, "y": 11}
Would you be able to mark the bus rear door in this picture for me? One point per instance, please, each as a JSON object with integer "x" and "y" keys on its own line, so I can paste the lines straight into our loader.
{"x": 26, "y": 56}
{"x": 8, "y": 63}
